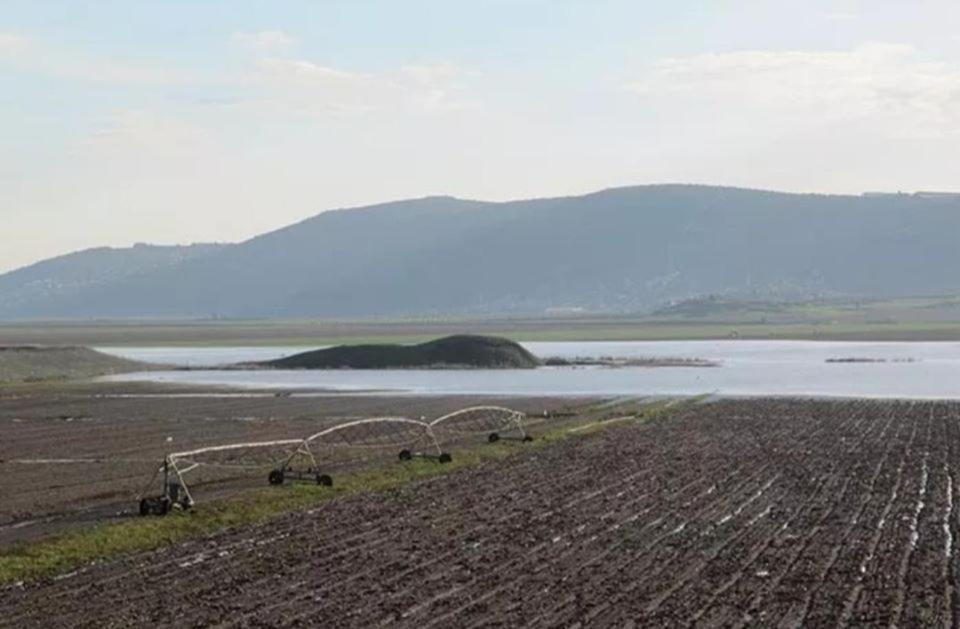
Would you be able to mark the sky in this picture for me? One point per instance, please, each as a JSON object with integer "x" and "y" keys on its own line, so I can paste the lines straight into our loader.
{"x": 124, "y": 121}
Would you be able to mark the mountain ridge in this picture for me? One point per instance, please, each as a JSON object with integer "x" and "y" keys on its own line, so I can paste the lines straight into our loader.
{"x": 620, "y": 249}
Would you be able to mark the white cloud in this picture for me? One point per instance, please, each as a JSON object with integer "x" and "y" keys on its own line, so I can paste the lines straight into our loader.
{"x": 264, "y": 41}
{"x": 305, "y": 72}
{"x": 890, "y": 87}
{"x": 842, "y": 16}
{"x": 308, "y": 87}
{"x": 431, "y": 74}
{"x": 12, "y": 42}
{"x": 31, "y": 56}
{"x": 105, "y": 70}
{"x": 148, "y": 131}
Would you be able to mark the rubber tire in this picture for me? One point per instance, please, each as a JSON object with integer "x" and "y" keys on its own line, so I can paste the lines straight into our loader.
{"x": 164, "y": 507}
{"x": 493, "y": 438}
{"x": 444, "y": 457}
{"x": 406, "y": 455}
{"x": 324, "y": 480}
{"x": 527, "y": 438}
{"x": 145, "y": 507}
{"x": 276, "y": 477}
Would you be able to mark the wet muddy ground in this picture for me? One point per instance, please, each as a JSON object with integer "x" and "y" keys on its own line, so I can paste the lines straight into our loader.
{"x": 736, "y": 513}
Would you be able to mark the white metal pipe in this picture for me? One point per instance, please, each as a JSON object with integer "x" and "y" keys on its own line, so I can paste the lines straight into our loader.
{"x": 360, "y": 422}
{"x": 464, "y": 411}
{"x": 235, "y": 446}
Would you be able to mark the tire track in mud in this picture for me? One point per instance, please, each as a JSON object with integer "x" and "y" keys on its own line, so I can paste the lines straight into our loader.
{"x": 651, "y": 551}
{"x": 925, "y": 606}
{"x": 918, "y": 505}
{"x": 686, "y": 593}
{"x": 717, "y": 608}
{"x": 786, "y": 554}
{"x": 887, "y": 543}
{"x": 673, "y": 552}
{"x": 806, "y": 570}
{"x": 853, "y": 553}
{"x": 654, "y": 607}
{"x": 666, "y": 528}
{"x": 951, "y": 604}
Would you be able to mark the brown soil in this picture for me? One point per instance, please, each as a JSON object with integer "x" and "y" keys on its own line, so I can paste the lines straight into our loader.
{"x": 805, "y": 513}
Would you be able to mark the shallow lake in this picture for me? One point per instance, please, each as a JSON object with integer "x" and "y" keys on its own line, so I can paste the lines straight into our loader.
{"x": 909, "y": 370}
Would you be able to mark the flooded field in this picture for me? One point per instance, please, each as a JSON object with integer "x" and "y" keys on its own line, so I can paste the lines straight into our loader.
{"x": 919, "y": 370}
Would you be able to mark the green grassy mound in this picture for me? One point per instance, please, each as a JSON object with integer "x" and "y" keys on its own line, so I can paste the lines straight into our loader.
{"x": 459, "y": 351}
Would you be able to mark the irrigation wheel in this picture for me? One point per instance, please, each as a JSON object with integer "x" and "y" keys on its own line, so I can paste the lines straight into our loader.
{"x": 324, "y": 480}
{"x": 406, "y": 455}
{"x": 275, "y": 477}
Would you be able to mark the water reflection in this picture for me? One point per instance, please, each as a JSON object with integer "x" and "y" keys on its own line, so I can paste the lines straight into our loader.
{"x": 906, "y": 370}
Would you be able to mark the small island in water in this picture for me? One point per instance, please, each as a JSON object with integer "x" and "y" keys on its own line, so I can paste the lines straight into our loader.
{"x": 856, "y": 359}
{"x": 462, "y": 351}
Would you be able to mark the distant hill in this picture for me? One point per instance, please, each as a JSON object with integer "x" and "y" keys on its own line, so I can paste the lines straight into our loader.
{"x": 46, "y": 285}
{"x": 620, "y": 250}
{"x": 460, "y": 351}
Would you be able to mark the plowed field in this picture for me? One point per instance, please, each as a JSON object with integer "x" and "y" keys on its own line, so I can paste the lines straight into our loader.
{"x": 736, "y": 513}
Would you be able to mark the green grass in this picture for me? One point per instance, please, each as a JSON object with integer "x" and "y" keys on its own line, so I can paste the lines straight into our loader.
{"x": 930, "y": 318}
{"x": 70, "y": 551}
{"x": 641, "y": 332}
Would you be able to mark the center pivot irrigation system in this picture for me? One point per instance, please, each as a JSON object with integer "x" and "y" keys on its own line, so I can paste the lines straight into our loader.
{"x": 338, "y": 447}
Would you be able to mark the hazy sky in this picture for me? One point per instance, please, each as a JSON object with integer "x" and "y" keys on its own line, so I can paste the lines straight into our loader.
{"x": 182, "y": 121}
